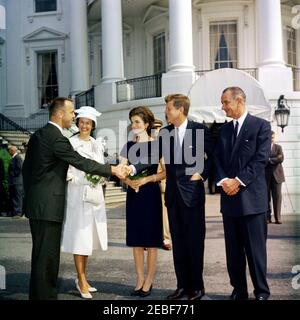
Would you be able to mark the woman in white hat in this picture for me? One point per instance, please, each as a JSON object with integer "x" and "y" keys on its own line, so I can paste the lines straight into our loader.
{"x": 85, "y": 227}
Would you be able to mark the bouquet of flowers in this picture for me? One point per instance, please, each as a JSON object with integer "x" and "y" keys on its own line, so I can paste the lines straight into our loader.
{"x": 139, "y": 175}
{"x": 94, "y": 179}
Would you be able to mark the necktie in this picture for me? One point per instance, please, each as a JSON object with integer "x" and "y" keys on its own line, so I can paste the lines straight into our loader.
{"x": 177, "y": 147}
{"x": 235, "y": 133}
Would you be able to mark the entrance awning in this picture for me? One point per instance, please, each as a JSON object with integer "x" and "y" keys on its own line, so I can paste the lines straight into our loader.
{"x": 205, "y": 95}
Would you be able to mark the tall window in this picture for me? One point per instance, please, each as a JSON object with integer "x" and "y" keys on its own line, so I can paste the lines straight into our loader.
{"x": 47, "y": 77}
{"x": 223, "y": 44}
{"x": 45, "y": 5}
{"x": 291, "y": 56}
{"x": 159, "y": 53}
{"x": 291, "y": 47}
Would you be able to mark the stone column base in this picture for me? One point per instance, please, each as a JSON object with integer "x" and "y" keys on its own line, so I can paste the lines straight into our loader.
{"x": 276, "y": 78}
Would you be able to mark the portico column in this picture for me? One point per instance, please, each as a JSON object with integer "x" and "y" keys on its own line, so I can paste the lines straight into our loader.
{"x": 2, "y": 15}
{"x": 112, "y": 40}
{"x": 269, "y": 33}
{"x": 273, "y": 75}
{"x": 181, "y": 42}
{"x": 79, "y": 46}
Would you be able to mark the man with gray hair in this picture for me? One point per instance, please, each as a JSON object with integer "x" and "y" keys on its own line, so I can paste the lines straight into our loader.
{"x": 241, "y": 156}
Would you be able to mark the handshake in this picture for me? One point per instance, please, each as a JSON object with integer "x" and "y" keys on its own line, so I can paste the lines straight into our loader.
{"x": 121, "y": 171}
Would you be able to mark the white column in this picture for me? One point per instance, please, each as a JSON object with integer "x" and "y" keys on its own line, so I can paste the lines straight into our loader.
{"x": 112, "y": 42}
{"x": 2, "y": 15}
{"x": 181, "y": 42}
{"x": 79, "y": 46}
{"x": 273, "y": 75}
{"x": 269, "y": 33}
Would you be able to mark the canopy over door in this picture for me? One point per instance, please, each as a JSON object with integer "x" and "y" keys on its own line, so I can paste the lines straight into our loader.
{"x": 205, "y": 95}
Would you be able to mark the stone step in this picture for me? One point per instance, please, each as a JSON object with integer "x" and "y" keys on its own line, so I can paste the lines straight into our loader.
{"x": 113, "y": 188}
{"x": 114, "y": 192}
{"x": 115, "y": 198}
{"x": 110, "y": 184}
{"x": 15, "y": 138}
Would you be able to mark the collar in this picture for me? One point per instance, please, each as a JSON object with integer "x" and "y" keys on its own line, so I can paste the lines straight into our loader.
{"x": 56, "y": 125}
{"x": 240, "y": 120}
{"x": 183, "y": 126}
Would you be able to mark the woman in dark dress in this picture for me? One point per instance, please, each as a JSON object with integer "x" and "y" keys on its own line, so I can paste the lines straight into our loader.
{"x": 143, "y": 203}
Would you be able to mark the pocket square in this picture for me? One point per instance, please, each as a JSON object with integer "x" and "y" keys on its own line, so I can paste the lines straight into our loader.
{"x": 246, "y": 140}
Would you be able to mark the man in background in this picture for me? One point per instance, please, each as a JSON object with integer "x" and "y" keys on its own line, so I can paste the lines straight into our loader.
{"x": 15, "y": 182}
{"x": 275, "y": 178}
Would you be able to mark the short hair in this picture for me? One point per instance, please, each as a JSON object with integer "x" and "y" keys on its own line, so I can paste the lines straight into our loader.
{"x": 236, "y": 92}
{"x": 145, "y": 114}
{"x": 11, "y": 146}
{"x": 57, "y": 104}
{"x": 272, "y": 132}
{"x": 179, "y": 100}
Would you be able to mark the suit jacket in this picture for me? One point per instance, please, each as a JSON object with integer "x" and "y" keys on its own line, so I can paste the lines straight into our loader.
{"x": 247, "y": 161}
{"x": 274, "y": 166}
{"x": 44, "y": 172}
{"x": 192, "y": 192}
{"x": 15, "y": 171}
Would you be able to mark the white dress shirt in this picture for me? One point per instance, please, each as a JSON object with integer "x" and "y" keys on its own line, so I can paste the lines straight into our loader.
{"x": 240, "y": 120}
{"x": 181, "y": 130}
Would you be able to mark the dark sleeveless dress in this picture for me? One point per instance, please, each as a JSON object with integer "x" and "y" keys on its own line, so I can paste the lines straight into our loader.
{"x": 143, "y": 209}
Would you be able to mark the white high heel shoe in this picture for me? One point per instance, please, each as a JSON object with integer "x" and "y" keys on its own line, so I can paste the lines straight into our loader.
{"x": 83, "y": 295}
{"x": 91, "y": 289}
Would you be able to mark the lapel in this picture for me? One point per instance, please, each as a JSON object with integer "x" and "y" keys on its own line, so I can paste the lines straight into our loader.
{"x": 239, "y": 138}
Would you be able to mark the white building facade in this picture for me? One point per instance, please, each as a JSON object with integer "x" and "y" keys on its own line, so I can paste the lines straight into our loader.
{"x": 55, "y": 48}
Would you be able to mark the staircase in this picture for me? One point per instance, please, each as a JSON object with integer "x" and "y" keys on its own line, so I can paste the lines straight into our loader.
{"x": 114, "y": 194}
{"x": 15, "y": 138}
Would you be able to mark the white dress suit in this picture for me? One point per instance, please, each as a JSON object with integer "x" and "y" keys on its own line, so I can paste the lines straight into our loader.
{"x": 85, "y": 225}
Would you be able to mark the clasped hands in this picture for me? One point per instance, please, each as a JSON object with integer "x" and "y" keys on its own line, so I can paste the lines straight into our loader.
{"x": 122, "y": 171}
{"x": 136, "y": 184}
{"x": 231, "y": 186}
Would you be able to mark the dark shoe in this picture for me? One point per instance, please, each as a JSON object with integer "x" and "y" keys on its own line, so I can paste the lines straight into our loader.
{"x": 261, "y": 297}
{"x": 177, "y": 294}
{"x": 278, "y": 222}
{"x": 136, "y": 293}
{"x": 269, "y": 220}
{"x": 196, "y": 294}
{"x": 167, "y": 246}
{"x": 239, "y": 296}
{"x": 144, "y": 294}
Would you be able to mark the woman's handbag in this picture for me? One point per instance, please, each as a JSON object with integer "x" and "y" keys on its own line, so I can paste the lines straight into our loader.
{"x": 93, "y": 195}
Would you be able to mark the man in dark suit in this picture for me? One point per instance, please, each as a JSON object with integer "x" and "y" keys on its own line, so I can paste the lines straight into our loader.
{"x": 15, "y": 182}
{"x": 183, "y": 147}
{"x": 44, "y": 175}
{"x": 275, "y": 178}
{"x": 241, "y": 155}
